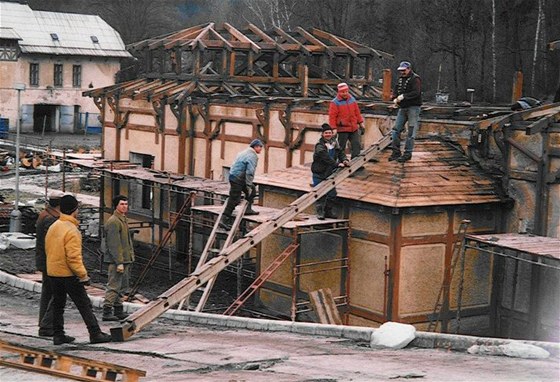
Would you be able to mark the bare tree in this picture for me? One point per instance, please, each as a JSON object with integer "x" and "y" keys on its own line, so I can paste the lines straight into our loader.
{"x": 270, "y": 13}
{"x": 538, "y": 42}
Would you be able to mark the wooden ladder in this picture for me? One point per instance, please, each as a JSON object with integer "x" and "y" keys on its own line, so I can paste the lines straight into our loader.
{"x": 442, "y": 303}
{"x": 265, "y": 275}
{"x": 213, "y": 247}
{"x": 64, "y": 366}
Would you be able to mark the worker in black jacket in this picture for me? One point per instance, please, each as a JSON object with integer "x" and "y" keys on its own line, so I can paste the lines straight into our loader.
{"x": 327, "y": 157}
{"x": 407, "y": 96}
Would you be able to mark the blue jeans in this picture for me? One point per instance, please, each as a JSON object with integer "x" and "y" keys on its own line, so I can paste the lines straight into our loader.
{"x": 411, "y": 115}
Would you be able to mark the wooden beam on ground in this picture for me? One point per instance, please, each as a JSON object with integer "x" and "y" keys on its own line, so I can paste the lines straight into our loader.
{"x": 324, "y": 306}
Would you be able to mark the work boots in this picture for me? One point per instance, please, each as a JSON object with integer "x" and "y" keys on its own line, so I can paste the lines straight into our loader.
{"x": 108, "y": 314}
{"x": 250, "y": 211}
{"x": 119, "y": 312}
{"x": 99, "y": 338}
{"x": 405, "y": 157}
{"x": 329, "y": 214}
{"x": 62, "y": 339}
{"x": 395, "y": 156}
{"x": 227, "y": 222}
{"x": 320, "y": 210}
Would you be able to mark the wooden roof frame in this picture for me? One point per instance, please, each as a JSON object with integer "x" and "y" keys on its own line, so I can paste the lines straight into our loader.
{"x": 271, "y": 63}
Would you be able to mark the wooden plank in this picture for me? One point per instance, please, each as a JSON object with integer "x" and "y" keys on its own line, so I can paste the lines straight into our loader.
{"x": 324, "y": 306}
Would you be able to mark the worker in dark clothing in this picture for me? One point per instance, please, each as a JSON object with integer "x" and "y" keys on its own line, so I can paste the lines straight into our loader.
{"x": 46, "y": 218}
{"x": 327, "y": 157}
{"x": 407, "y": 96}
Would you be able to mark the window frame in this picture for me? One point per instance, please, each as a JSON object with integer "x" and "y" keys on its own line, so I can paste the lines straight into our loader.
{"x": 33, "y": 74}
{"x": 58, "y": 75}
{"x": 77, "y": 76}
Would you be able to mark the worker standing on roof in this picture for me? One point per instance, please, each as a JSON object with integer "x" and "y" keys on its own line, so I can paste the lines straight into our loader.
{"x": 46, "y": 218}
{"x": 119, "y": 254}
{"x": 407, "y": 96}
{"x": 68, "y": 275}
{"x": 327, "y": 157}
{"x": 241, "y": 175}
{"x": 346, "y": 120}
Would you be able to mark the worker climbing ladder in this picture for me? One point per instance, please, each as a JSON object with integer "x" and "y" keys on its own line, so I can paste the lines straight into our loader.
{"x": 442, "y": 303}
{"x": 142, "y": 317}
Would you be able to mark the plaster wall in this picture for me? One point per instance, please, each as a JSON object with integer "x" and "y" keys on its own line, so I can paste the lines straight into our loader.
{"x": 98, "y": 72}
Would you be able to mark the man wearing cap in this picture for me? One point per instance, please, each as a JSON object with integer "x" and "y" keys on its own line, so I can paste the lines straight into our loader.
{"x": 68, "y": 275}
{"x": 46, "y": 218}
{"x": 327, "y": 157}
{"x": 407, "y": 96}
{"x": 241, "y": 176}
{"x": 346, "y": 120}
{"x": 119, "y": 256}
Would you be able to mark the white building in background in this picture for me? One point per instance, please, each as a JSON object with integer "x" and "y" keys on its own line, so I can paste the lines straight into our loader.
{"x": 56, "y": 56}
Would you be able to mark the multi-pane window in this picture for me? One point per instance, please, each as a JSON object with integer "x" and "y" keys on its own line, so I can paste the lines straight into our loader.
{"x": 77, "y": 76}
{"x": 34, "y": 74}
{"x": 57, "y": 74}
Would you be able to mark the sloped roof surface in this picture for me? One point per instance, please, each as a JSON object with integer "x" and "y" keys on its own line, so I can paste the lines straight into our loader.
{"x": 437, "y": 175}
{"x": 74, "y": 32}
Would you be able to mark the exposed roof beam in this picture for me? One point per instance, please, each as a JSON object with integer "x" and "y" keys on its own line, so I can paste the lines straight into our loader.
{"x": 336, "y": 40}
{"x": 266, "y": 38}
{"x": 308, "y": 36}
{"x": 241, "y": 37}
{"x": 179, "y": 37}
{"x": 287, "y": 37}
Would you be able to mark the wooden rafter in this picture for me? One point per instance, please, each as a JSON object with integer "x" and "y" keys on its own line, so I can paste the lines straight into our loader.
{"x": 334, "y": 39}
{"x": 241, "y": 37}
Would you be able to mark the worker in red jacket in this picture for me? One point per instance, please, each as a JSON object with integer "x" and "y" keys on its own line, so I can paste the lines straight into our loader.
{"x": 346, "y": 120}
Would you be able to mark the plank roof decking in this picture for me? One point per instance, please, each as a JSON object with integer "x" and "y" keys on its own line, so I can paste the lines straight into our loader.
{"x": 438, "y": 174}
{"x": 533, "y": 245}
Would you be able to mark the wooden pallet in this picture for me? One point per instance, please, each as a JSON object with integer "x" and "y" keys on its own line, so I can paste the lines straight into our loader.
{"x": 62, "y": 365}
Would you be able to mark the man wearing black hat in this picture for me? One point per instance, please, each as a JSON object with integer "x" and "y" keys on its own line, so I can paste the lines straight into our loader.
{"x": 241, "y": 175}
{"x": 407, "y": 96}
{"x": 327, "y": 157}
{"x": 45, "y": 219}
{"x": 68, "y": 275}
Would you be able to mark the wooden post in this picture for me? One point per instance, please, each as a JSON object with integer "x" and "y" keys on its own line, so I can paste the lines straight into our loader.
{"x": 387, "y": 79}
{"x": 517, "y": 86}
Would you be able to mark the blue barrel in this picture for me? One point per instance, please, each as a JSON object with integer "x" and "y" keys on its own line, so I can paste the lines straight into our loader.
{"x": 4, "y": 127}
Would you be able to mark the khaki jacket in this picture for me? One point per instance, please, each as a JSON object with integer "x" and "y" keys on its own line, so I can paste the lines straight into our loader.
{"x": 63, "y": 245}
{"x": 119, "y": 249}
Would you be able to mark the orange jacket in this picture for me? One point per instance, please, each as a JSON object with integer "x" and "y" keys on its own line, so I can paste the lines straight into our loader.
{"x": 344, "y": 114}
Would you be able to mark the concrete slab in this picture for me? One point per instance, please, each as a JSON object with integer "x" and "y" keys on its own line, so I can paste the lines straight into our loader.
{"x": 180, "y": 351}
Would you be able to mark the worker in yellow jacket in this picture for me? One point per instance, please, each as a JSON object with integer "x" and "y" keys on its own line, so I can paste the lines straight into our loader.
{"x": 67, "y": 273}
